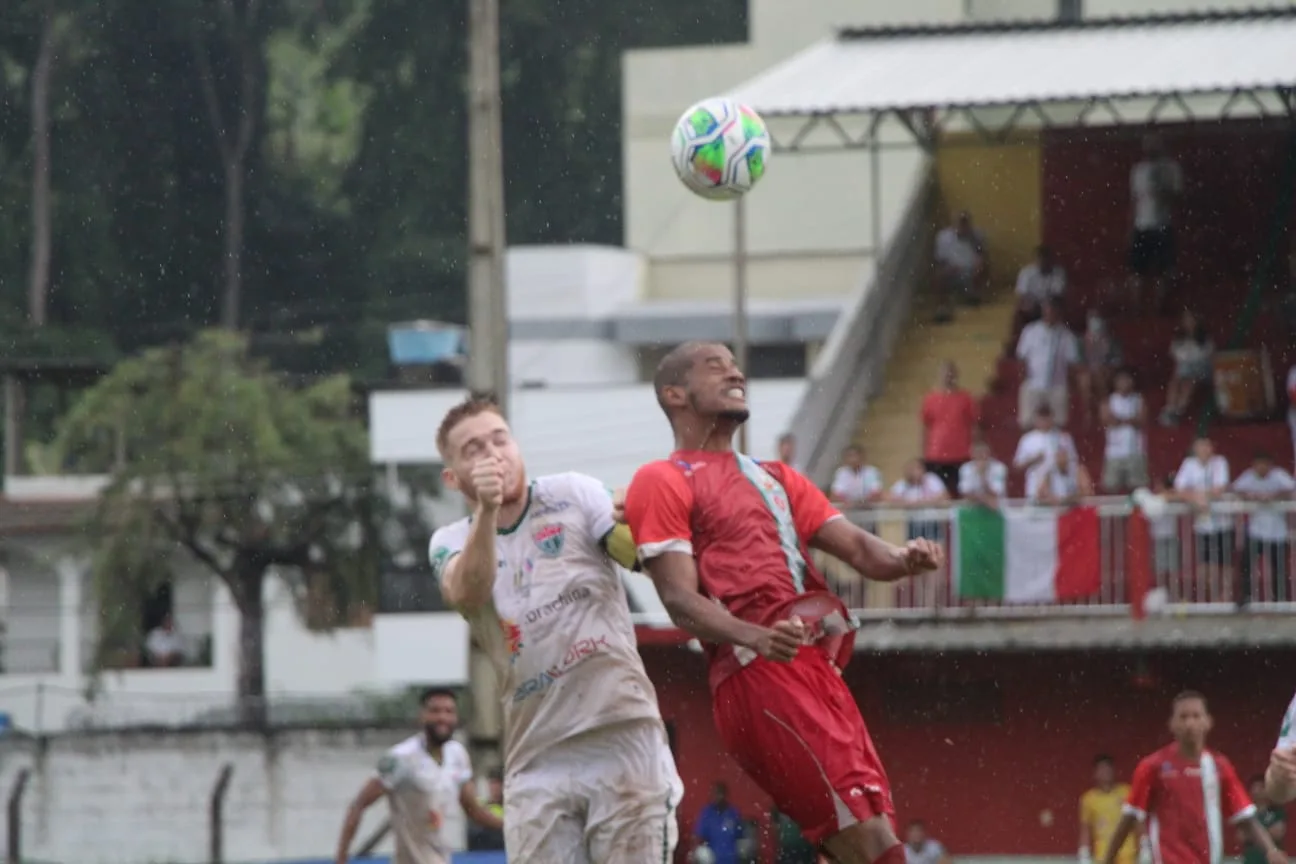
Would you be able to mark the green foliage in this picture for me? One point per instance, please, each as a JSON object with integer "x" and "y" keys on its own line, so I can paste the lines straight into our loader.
{"x": 212, "y": 453}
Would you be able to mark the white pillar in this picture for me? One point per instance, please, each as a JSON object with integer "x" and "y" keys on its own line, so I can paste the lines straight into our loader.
{"x": 71, "y": 571}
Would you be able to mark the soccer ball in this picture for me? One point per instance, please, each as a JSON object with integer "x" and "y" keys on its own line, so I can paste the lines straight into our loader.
{"x": 720, "y": 149}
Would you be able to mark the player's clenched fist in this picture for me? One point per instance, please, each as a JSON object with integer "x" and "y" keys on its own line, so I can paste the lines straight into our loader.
{"x": 781, "y": 642}
{"x": 488, "y": 480}
{"x": 919, "y": 556}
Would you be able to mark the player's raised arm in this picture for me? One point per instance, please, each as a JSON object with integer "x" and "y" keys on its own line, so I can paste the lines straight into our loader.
{"x": 658, "y": 507}
{"x": 1280, "y": 776}
{"x": 820, "y": 524}
{"x": 469, "y": 577}
{"x": 369, "y": 793}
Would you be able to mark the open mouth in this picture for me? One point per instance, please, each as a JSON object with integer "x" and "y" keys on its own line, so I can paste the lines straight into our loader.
{"x": 737, "y": 393}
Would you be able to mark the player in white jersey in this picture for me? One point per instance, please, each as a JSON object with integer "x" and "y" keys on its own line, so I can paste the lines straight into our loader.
{"x": 427, "y": 779}
{"x": 1280, "y": 778}
{"x": 588, "y": 773}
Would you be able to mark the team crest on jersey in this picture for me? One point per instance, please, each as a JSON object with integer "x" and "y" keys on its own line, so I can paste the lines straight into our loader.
{"x": 512, "y": 637}
{"x": 549, "y": 540}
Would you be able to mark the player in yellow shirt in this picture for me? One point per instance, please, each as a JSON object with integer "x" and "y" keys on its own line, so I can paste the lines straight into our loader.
{"x": 1100, "y": 810}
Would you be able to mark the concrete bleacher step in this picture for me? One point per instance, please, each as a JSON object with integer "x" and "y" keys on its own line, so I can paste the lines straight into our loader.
{"x": 890, "y": 429}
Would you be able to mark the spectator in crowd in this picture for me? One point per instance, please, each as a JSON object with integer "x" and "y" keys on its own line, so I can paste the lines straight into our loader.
{"x": 164, "y": 646}
{"x": 962, "y": 265}
{"x": 1049, "y": 351}
{"x": 921, "y": 848}
{"x": 1100, "y": 811}
{"x": 1062, "y": 482}
{"x": 787, "y": 449}
{"x": 984, "y": 480}
{"x": 1165, "y": 532}
{"x": 720, "y": 826}
{"x": 1041, "y": 281}
{"x": 1156, "y": 184}
{"x": 1272, "y": 819}
{"x": 949, "y": 418}
{"x": 1037, "y": 449}
{"x": 1291, "y": 405}
{"x": 1192, "y": 351}
{"x": 918, "y": 489}
{"x": 1202, "y": 480}
{"x": 1265, "y": 484}
{"x": 480, "y": 837}
{"x": 1123, "y": 416}
{"x": 855, "y": 484}
{"x": 790, "y": 845}
{"x": 1102, "y": 357}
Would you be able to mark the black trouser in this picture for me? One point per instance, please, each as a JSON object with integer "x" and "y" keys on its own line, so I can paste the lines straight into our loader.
{"x": 1276, "y": 557}
{"x": 948, "y": 472}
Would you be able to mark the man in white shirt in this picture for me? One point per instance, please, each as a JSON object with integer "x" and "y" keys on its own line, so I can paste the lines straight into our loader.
{"x": 1049, "y": 350}
{"x": 962, "y": 265}
{"x": 427, "y": 780}
{"x": 918, "y": 489}
{"x": 1264, "y": 484}
{"x": 1291, "y": 404}
{"x": 164, "y": 645}
{"x": 855, "y": 484}
{"x": 1203, "y": 478}
{"x": 1156, "y": 184}
{"x": 1037, "y": 449}
{"x": 1125, "y": 457}
{"x": 588, "y": 773}
{"x": 1061, "y": 482}
{"x": 1038, "y": 282}
{"x": 921, "y": 848}
{"x": 984, "y": 480}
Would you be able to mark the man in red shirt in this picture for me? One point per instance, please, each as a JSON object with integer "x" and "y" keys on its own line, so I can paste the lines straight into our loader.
{"x": 726, "y": 541}
{"x": 949, "y": 418}
{"x": 1187, "y": 793}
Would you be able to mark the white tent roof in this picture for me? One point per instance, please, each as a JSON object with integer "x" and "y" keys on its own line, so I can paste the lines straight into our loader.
{"x": 863, "y": 71}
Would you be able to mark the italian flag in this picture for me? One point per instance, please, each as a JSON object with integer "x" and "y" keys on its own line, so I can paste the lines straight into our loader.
{"x": 1026, "y": 555}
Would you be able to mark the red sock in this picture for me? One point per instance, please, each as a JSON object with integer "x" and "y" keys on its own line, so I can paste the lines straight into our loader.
{"x": 894, "y": 855}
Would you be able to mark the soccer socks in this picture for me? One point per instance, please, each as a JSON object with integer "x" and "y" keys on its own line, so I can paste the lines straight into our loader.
{"x": 894, "y": 855}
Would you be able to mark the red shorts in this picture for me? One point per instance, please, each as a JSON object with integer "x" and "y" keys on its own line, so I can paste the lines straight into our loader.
{"x": 796, "y": 730}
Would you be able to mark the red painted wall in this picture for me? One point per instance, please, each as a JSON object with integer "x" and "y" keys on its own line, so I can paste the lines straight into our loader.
{"x": 980, "y": 746}
{"x": 1229, "y": 196}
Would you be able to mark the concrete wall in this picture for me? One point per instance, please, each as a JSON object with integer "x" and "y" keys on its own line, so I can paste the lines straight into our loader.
{"x": 142, "y": 797}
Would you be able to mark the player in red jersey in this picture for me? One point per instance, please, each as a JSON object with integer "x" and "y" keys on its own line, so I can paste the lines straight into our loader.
{"x": 726, "y": 541}
{"x": 1187, "y": 794}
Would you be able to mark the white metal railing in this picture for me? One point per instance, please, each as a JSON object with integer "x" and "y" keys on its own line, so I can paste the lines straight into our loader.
{"x": 1202, "y": 561}
{"x": 849, "y": 369}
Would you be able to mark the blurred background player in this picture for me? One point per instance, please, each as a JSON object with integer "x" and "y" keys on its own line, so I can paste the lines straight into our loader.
{"x": 588, "y": 772}
{"x": 1100, "y": 813}
{"x": 724, "y": 539}
{"x": 1187, "y": 794}
{"x": 1271, "y": 817}
{"x": 1280, "y": 777}
{"x": 427, "y": 779}
{"x": 480, "y": 837}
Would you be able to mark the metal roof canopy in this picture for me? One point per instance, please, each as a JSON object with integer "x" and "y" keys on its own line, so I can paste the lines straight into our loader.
{"x": 932, "y": 79}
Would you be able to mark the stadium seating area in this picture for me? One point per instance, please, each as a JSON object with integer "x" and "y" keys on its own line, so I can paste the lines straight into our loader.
{"x": 1234, "y": 182}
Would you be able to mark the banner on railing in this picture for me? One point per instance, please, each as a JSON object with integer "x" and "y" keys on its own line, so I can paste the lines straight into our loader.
{"x": 1026, "y": 556}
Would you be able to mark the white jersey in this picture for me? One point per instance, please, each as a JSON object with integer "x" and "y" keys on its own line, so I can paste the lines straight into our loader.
{"x": 559, "y": 631}
{"x": 1287, "y": 734}
{"x": 424, "y": 798}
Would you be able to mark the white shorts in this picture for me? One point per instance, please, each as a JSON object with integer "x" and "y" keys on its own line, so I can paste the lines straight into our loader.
{"x": 605, "y": 797}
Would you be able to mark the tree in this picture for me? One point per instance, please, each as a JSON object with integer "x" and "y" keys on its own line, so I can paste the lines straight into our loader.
{"x": 246, "y": 473}
{"x": 242, "y": 30}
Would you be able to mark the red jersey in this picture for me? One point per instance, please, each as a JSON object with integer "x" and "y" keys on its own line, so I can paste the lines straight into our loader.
{"x": 949, "y": 417}
{"x": 747, "y": 524}
{"x": 1187, "y": 804}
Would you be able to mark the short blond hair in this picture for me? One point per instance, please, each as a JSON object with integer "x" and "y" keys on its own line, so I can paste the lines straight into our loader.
{"x": 478, "y": 403}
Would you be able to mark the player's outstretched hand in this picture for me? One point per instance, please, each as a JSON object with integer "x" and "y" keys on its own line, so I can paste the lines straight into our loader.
{"x": 488, "y": 480}
{"x": 618, "y": 504}
{"x": 781, "y": 642}
{"x": 920, "y": 556}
